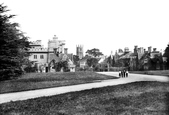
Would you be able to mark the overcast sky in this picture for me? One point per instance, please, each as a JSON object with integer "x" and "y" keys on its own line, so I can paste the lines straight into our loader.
{"x": 103, "y": 24}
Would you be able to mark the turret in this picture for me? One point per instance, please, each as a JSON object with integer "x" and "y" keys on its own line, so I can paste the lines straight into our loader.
{"x": 79, "y": 51}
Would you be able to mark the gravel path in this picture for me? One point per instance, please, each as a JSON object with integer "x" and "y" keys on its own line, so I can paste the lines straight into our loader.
{"x": 4, "y": 98}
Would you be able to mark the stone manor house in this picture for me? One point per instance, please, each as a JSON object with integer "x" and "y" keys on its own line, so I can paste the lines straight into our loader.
{"x": 141, "y": 59}
{"x": 43, "y": 56}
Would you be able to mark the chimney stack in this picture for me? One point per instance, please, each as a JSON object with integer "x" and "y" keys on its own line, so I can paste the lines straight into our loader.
{"x": 65, "y": 50}
{"x": 154, "y": 49}
{"x": 126, "y": 49}
{"x": 139, "y": 50}
{"x": 149, "y": 49}
{"x": 144, "y": 50}
{"x": 135, "y": 49}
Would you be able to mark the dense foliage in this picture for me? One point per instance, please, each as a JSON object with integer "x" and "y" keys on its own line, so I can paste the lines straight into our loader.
{"x": 76, "y": 60}
{"x": 13, "y": 46}
{"x": 30, "y": 66}
{"x": 111, "y": 61}
{"x": 92, "y": 62}
{"x": 62, "y": 65}
{"x": 166, "y": 54}
{"x": 94, "y": 52}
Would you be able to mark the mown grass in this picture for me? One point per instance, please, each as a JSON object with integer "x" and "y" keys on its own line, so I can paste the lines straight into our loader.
{"x": 156, "y": 72}
{"x": 139, "y": 98}
{"x": 46, "y": 80}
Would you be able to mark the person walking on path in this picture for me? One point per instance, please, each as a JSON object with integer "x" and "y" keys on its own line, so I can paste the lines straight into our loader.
{"x": 127, "y": 73}
{"x": 124, "y": 72}
{"x": 119, "y": 73}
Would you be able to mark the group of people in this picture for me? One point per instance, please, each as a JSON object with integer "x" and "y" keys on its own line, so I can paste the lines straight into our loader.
{"x": 123, "y": 73}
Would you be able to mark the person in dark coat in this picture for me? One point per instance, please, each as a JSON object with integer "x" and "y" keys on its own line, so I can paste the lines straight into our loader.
{"x": 124, "y": 72}
{"x": 119, "y": 73}
{"x": 127, "y": 73}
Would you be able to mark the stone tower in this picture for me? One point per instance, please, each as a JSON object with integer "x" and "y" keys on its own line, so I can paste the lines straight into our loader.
{"x": 55, "y": 43}
{"x": 79, "y": 51}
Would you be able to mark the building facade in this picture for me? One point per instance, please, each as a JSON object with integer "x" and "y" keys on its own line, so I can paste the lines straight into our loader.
{"x": 79, "y": 51}
{"x": 42, "y": 56}
{"x": 141, "y": 59}
{"x": 38, "y": 53}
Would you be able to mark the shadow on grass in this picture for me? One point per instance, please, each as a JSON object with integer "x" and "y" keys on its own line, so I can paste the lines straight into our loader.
{"x": 133, "y": 98}
{"x": 26, "y": 85}
{"x": 34, "y": 81}
{"x": 167, "y": 103}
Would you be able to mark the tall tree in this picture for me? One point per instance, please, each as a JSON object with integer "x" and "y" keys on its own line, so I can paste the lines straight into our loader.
{"x": 61, "y": 64}
{"x": 109, "y": 60}
{"x": 113, "y": 61}
{"x": 166, "y": 54}
{"x": 13, "y": 46}
{"x": 76, "y": 60}
{"x": 156, "y": 62}
{"x": 92, "y": 62}
{"x": 94, "y": 52}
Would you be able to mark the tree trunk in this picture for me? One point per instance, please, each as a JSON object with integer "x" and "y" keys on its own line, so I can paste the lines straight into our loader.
{"x": 108, "y": 68}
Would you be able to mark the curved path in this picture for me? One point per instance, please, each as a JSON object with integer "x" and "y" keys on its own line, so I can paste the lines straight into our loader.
{"x": 4, "y": 98}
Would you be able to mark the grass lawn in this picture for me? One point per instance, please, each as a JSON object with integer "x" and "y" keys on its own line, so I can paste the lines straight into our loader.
{"x": 45, "y": 80}
{"x": 157, "y": 72}
{"x": 139, "y": 98}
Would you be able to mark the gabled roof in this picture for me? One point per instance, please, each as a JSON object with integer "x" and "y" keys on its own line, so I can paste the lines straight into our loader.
{"x": 133, "y": 54}
{"x": 70, "y": 56}
{"x": 155, "y": 52}
{"x": 54, "y": 57}
{"x": 104, "y": 60}
{"x": 145, "y": 55}
{"x": 101, "y": 59}
{"x": 126, "y": 55}
{"x": 84, "y": 59}
{"x": 61, "y": 56}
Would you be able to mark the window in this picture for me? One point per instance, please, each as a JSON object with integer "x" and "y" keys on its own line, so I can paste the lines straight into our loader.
{"x": 35, "y": 56}
{"x": 41, "y": 57}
